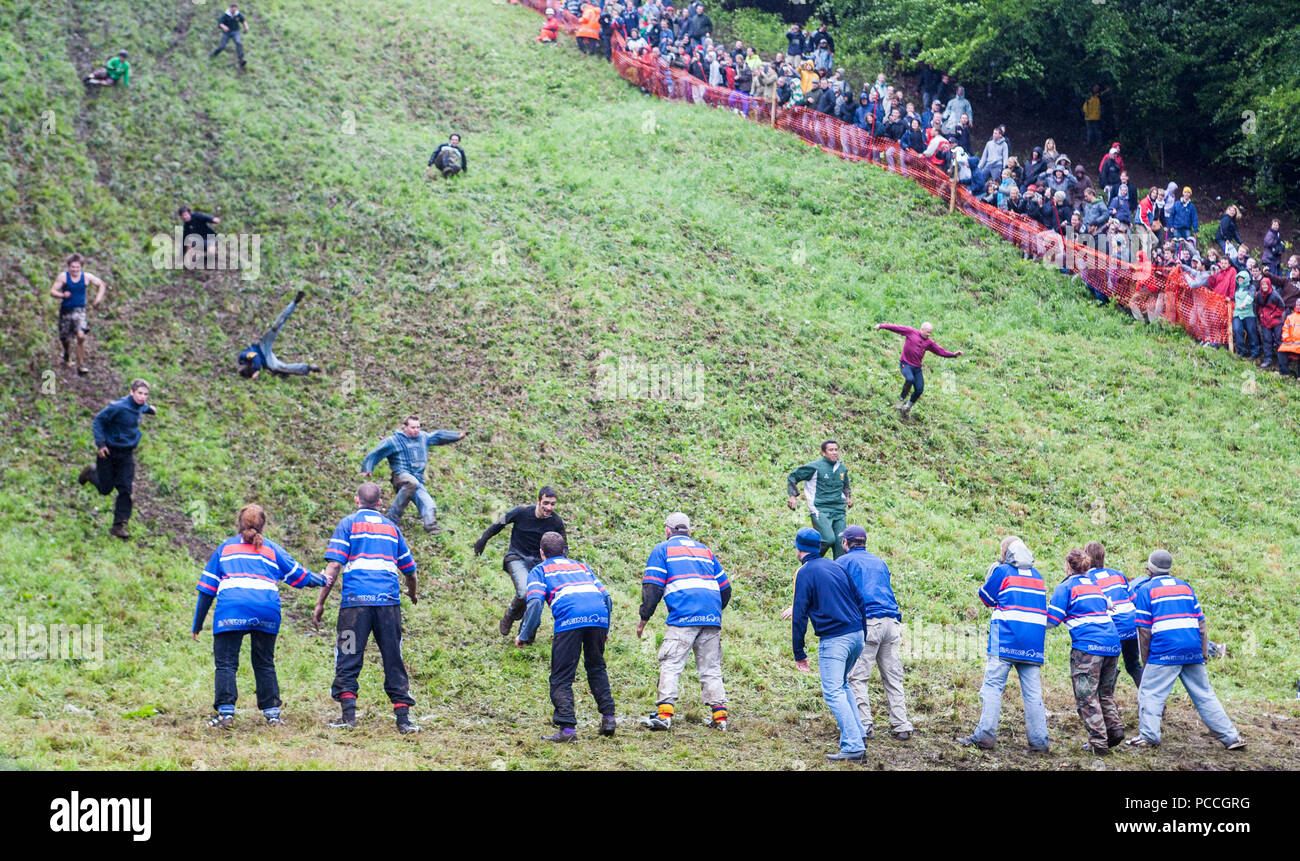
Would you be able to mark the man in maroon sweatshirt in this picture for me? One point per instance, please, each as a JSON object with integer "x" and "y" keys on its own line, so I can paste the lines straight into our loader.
{"x": 916, "y": 342}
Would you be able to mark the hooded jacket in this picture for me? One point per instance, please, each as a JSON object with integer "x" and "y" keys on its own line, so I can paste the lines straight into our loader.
{"x": 1184, "y": 216}
{"x": 1227, "y": 231}
{"x": 1223, "y": 282}
{"x": 1018, "y": 596}
{"x": 957, "y": 106}
{"x": 1268, "y": 305}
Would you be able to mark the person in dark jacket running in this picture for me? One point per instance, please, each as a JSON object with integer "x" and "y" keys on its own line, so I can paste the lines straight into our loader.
{"x": 117, "y": 433}
{"x": 528, "y": 524}
{"x": 233, "y": 26}
{"x": 915, "y": 345}
{"x": 449, "y": 158}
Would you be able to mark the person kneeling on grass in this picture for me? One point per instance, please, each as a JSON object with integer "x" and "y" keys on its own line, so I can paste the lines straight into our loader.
{"x": 260, "y": 354}
{"x": 915, "y": 345}
{"x": 581, "y": 609}
{"x": 116, "y": 70}
{"x": 241, "y": 577}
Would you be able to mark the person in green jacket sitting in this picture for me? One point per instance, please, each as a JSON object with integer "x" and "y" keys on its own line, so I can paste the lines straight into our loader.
{"x": 116, "y": 70}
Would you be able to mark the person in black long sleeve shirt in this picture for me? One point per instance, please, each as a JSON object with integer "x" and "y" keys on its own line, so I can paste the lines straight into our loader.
{"x": 199, "y": 224}
{"x": 449, "y": 158}
{"x": 529, "y": 523}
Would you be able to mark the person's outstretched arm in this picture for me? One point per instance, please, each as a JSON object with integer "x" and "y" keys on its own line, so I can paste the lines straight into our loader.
{"x": 444, "y": 437}
{"x": 383, "y": 450}
{"x": 940, "y": 351}
{"x": 495, "y": 527}
{"x": 890, "y": 327}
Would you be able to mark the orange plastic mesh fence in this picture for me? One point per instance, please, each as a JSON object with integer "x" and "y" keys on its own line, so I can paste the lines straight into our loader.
{"x": 1141, "y": 287}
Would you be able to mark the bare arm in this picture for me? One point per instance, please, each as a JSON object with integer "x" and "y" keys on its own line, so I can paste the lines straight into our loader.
{"x": 100, "y": 287}
{"x": 331, "y": 575}
{"x": 56, "y": 289}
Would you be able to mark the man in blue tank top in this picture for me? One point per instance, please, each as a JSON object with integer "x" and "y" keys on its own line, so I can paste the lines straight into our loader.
{"x": 70, "y": 288}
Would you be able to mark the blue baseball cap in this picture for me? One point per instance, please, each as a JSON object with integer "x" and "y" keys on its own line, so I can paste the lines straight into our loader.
{"x": 808, "y": 540}
{"x": 854, "y": 533}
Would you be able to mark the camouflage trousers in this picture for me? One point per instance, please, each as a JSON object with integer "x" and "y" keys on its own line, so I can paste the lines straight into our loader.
{"x": 1094, "y": 678}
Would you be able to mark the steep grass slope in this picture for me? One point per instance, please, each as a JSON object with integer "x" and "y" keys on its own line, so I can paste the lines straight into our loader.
{"x": 594, "y": 227}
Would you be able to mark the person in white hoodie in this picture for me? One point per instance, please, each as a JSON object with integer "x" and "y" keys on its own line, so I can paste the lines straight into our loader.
{"x": 1018, "y": 596}
{"x": 957, "y": 106}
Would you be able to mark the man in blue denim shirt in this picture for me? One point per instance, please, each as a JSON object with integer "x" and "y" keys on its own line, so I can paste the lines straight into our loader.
{"x": 407, "y": 452}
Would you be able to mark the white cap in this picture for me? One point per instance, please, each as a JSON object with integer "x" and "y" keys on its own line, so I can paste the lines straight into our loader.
{"x": 678, "y": 522}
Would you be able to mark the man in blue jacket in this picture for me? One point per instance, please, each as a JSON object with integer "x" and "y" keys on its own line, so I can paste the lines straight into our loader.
{"x": 826, "y": 595}
{"x": 581, "y": 608}
{"x": 1018, "y": 596}
{"x": 407, "y": 452}
{"x": 1184, "y": 221}
{"x": 117, "y": 433}
{"x": 883, "y": 635}
{"x": 690, "y": 580}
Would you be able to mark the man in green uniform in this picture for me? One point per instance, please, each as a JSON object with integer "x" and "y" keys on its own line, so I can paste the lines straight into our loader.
{"x": 826, "y": 486}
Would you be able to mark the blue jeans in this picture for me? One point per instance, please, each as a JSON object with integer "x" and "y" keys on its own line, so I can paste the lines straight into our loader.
{"x": 1245, "y": 332}
{"x": 227, "y": 35}
{"x": 1158, "y": 681}
{"x": 1092, "y": 132}
{"x": 267, "y": 342}
{"x": 835, "y": 658}
{"x": 913, "y": 380}
{"x": 409, "y": 487}
{"x": 1031, "y": 691}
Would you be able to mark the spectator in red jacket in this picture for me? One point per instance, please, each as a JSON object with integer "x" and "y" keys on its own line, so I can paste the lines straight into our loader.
{"x": 1269, "y": 310}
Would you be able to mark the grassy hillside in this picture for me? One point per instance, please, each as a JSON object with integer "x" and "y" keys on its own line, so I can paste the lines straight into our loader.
{"x": 594, "y": 227}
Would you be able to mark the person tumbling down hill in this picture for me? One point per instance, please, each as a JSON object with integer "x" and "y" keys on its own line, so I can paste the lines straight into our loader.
{"x": 260, "y": 354}
{"x": 449, "y": 158}
{"x": 915, "y": 345}
{"x": 407, "y": 453}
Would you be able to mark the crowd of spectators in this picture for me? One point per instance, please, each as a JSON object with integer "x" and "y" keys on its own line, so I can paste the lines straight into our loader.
{"x": 1107, "y": 212}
